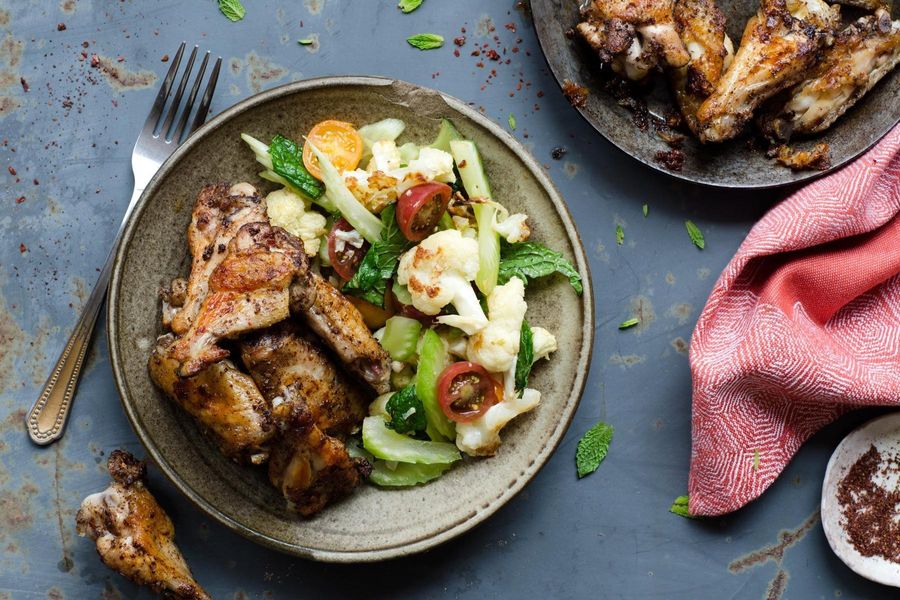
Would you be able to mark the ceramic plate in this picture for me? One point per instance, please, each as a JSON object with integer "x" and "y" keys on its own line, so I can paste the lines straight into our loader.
{"x": 732, "y": 164}
{"x": 884, "y": 434}
{"x": 364, "y": 527}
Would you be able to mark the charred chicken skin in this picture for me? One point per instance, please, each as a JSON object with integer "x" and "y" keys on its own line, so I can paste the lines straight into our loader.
{"x": 134, "y": 535}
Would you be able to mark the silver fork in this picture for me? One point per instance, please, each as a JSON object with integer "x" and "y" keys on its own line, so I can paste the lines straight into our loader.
{"x": 158, "y": 140}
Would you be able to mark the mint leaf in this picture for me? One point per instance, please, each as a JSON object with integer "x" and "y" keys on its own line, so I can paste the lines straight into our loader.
{"x": 695, "y": 234}
{"x": 629, "y": 323}
{"x": 425, "y": 41}
{"x": 511, "y": 119}
{"x": 378, "y": 265}
{"x": 620, "y": 235}
{"x": 407, "y": 6}
{"x": 287, "y": 161}
{"x": 592, "y": 448}
{"x": 530, "y": 260}
{"x": 232, "y": 9}
{"x": 525, "y": 358}
{"x": 305, "y": 41}
{"x": 680, "y": 508}
{"x": 645, "y": 209}
{"x": 406, "y": 410}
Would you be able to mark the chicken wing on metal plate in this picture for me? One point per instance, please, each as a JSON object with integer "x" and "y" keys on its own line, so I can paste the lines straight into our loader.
{"x": 134, "y": 535}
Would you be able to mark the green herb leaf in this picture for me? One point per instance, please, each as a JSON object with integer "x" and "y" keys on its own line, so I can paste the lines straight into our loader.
{"x": 380, "y": 262}
{"x": 305, "y": 41}
{"x": 233, "y": 9}
{"x": 406, "y": 411}
{"x": 680, "y": 508}
{"x": 592, "y": 448}
{"x": 695, "y": 234}
{"x": 525, "y": 358}
{"x": 629, "y": 323}
{"x": 530, "y": 260}
{"x": 425, "y": 41}
{"x": 287, "y": 161}
{"x": 511, "y": 119}
{"x": 646, "y": 210}
{"x": 620, "y": 235}
{"x": 407, "y": 6}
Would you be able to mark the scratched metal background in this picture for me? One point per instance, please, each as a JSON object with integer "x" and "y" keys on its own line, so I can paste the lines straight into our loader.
{"x": 68, "y": 138}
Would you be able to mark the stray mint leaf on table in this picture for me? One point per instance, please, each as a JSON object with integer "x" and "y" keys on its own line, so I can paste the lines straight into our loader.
{"x": 425, "y": 41}
{"x": 620, "y": 235}
{"x": 407, "y": 6}
{"x": 305, "y": 41}
{"x": 680, "y": 508}
{"x": 512, "y": 121}
{"x": 629, "y": 323}
{"x": 232, "y": 9}
{"x": 645, "y": 209}
{"x": 592, "y": 448}
{"x": 695, "y": 234}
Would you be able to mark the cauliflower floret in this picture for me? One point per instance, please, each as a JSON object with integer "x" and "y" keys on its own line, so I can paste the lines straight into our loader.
{"x": 481, "y": 437}
{"x": 385, "y": 157}
{"x": 513, "y": 228}
{"x": 495, "y": 347}
{"x": 431, "y": 165}
{"x": 543, "y": 343}
{"x": 288, "y": 211}
{"x": 374, "y": 190}
{"x": 437, "y": 273}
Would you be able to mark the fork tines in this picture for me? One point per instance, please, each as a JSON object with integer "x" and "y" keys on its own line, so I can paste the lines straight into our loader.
{"x": 169, "y": 130}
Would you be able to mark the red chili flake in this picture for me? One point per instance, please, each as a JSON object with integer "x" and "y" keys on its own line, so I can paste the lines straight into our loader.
{"x": 460, "y": 41}
{"x": 23, "y": 248}
{"x": 540, "y": 94}
{"x": 165, "y": 58}
{"x": 508, "y": 60}
{"x": 462, "y": 29}
{"x": 115, "y": 103}
{"x": 83, "y": 56}
{"x": 12, "y": 170}
{"x": 456, "y": 52}
{"x": 25, "y": 86}
{"x": 20, "y": 199}
{"x": 492, "y": 54}
{"x": 515, "y": 49}
{"x": 479, "y": 64}
{"x": 61, "y": 27}
{"x": 67, "y": 103}
{"x": 476, "y": 52}
{"x": 95, "y": 61}
{"x": 511, "y": 27}
{"x": 121, "y": 59}
{"x": 36, "y": 182}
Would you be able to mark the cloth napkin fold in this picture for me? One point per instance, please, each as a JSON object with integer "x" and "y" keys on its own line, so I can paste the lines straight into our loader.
{"x": 802, "y": 325}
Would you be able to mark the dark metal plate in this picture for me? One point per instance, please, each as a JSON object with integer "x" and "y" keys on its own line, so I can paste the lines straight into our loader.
{"x": 733, "y": 164}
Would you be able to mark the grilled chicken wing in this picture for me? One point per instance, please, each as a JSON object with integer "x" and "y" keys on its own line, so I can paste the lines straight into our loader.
{"x": 288, "y": 366}
{"x": 247, "y": 291}
{"x": 218, "y": 214}
{"x": 633, "y": 35}
{"x": 225, "y": 401}
{"x": 339, "y": 324}
{"x": 134, "y": 535}
{"x": 779, "y": 46}
{"x": 861, "y": 55}
{"x": 702, "y": 28}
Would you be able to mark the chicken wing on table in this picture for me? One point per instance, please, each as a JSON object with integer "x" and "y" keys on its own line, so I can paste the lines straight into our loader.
{"x": 862, "y": 53}
{"x": 225, "y": 401}
{"x": 781, "y": 43}
{"x": 340, "y": 325}
{"x": 248, "y": 290}
{"x": 220, "y": 211}
{"x": 134, "y": 535}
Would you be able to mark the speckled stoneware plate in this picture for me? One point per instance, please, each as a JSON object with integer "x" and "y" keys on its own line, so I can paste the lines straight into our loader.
{"x": 365, "y": 526}
{"x": 732, "y": 164}
{"x": 884, "y": 434}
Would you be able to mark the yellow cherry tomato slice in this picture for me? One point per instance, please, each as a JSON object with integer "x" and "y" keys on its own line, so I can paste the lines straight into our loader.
{"x": 339, "y": 141}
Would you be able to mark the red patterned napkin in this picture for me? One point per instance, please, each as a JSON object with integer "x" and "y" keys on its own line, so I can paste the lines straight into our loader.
{"x": 802, "y": 326}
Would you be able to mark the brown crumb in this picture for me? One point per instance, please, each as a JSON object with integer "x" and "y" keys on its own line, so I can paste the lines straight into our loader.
{"x": 25, "y": 86}
{"x": 576, "y": 94}
{"x": 12, "y": 170}
{"x": 817, "y": 159}
{"x": 460, "y": 41}
{"x": 165, "y": 58}
{"x": 671, "y": 159}
{"x": 61, "y": 27}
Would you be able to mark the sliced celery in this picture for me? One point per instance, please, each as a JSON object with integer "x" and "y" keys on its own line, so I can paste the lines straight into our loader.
{"x": 471, "y": 169}
{"x": 387, "y": 444}
{"x": 402, "y": 293}
{"x": 446, "y": 134}
{"x": 405, "y": 474}
{"x": 433, "y": 359}
{"x": 488, "y": 248}
{"x": 401, "y": 334}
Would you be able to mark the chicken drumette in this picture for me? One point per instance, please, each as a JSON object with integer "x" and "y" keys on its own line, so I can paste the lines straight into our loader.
{"x": 134, "y": 535}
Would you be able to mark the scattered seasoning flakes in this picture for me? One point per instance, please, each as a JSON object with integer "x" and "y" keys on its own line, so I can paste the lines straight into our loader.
{"x": 646, "y": 210}
{"x": 680, "y": 508}
{"x": 165, "y": 58}
{"x": 20, "y": 199}
{"x": 620, "y": 235}
{"x": 61, "y": 27}
{"x": 756, "y": 460}
{"x": 425, "y": 41}
{"x": 592, "y": 448}
{"x": 305, "y": 41}
{"x": 23, "y": 248}
{"x": 232, "y": 9}
{"x": 627, "y": 324}
{"x": 25, "y": 86}
{"x": 557, "y": 153}
{"x": 511, "y": 119}
{"x": 407, "y": 6}
{"x": 695, "y": 234}
{"x": 12, "y": 170}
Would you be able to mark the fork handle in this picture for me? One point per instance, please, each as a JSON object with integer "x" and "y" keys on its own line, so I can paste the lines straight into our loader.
{"x": 47, "y": 418}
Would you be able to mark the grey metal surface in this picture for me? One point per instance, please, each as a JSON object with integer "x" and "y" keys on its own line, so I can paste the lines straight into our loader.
{"x": 606, "y": 536}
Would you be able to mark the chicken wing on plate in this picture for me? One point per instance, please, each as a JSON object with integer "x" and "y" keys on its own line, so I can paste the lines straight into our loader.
{"x": 218, "y": 214}
{"x": 340, "y": 325}
{"x": 134, "y": 535}
{"x": 861, "y": 55}
{"x": 247, "y": 291}
{"x": 779, "y": 46}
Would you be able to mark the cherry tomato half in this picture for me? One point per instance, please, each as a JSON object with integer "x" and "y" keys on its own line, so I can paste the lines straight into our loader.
{"x": 344, "y": 256}
{"x": 420, "y": 208}
{"x": 339, "y": 141}
{"x": 466, "y": 390}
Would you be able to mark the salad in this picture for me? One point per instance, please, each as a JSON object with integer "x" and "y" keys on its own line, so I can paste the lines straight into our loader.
{"x": 437, "y": 266}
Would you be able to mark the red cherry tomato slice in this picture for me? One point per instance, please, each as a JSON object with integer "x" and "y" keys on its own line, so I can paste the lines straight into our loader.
{"x": 466, "y": 390}
{"x": 344, "y": 256}
{"x": 420, "y": 208}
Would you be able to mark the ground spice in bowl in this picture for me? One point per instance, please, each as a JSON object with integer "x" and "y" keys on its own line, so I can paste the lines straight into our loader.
{"x": 871, "y": 516}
